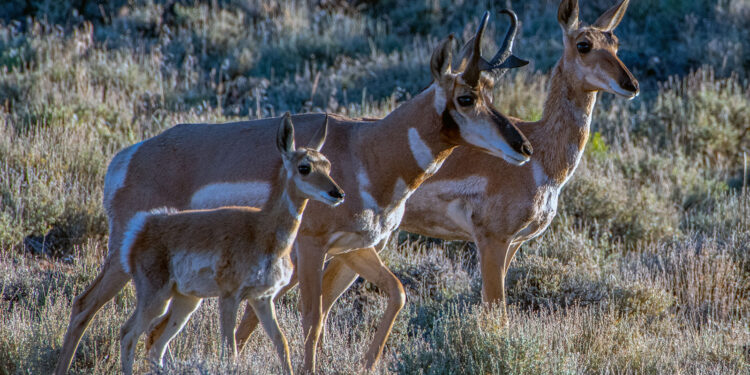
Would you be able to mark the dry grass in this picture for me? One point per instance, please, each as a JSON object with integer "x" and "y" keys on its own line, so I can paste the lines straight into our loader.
{"x": 645, "y": 269}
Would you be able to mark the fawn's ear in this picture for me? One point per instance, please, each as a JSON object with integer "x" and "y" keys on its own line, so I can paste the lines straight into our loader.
{"x": 612, "y": 17}
{"x": 319, "y": 138}
{"x": 285, "y": 136}
{"x": 567, "y": 15}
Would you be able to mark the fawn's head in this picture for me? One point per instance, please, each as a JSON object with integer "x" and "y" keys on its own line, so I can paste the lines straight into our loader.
{"x": 464, "y": 98}
{"x": 590, "y": 53}
{"x": 307, "y": 169}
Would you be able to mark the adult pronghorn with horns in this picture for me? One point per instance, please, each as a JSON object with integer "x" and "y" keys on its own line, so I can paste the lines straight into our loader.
{"x": 381, "y": 163}
{"x": 499, "y": 206}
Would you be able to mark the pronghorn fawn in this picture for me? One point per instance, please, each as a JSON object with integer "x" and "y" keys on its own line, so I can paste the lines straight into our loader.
{"x": 381, "y": 163}
{"x": 234, "y": 253}
{"x": 498, "y": 205}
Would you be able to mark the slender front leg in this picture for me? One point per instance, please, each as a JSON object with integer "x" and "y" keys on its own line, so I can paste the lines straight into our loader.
{"x": 228, "y": 306}
{"x": 492, "y": 254}
{"x": 310, "y": 261}
{"x": 250, "y": 319}
{"x": 337, "y": 278}
{"x": 367, "y": 263}
{"x": 264, "y": 309}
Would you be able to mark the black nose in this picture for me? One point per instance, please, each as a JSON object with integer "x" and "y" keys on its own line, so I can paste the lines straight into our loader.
{"x": 526, "y": 149}
{"x": 338, "y": 194}
{"x": 630, "y": 85}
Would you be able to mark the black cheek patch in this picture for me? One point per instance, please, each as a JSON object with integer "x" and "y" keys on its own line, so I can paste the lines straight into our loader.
{"x": 450, "y": 130}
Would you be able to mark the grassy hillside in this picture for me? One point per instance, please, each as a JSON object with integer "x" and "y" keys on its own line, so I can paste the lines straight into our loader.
{"x": 646, "y": 268}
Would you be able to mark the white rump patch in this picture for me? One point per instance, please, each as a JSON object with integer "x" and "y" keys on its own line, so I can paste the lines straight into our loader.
{"x": 419, "y": 149}
{"x": 248, "y": 193}
{"x": 134, "y": 227}
{"x": 117, "y": 172}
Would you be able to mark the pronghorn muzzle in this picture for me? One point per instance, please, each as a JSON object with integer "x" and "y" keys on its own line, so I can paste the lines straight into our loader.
{"x": 515, "y": 139}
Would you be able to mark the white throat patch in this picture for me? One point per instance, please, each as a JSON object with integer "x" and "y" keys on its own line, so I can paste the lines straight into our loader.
{"x": 419, "y": 149}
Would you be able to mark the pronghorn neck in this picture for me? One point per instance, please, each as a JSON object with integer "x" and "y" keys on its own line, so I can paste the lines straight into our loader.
{"x": 285, "y": 204}
{"x": 399, "y": 152}
{"x": 560, "y": 136}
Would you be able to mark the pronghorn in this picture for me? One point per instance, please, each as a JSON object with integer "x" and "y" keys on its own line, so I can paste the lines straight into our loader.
{"x": 191, "y": 166}
{"x": 499, "y": 206}
{"x": 178, "y": 258}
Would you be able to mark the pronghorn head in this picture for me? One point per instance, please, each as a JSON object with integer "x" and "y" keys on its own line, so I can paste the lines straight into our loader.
{"x": 463, "y": 97}
{"x": 591, "y": 51}
{"x": 307, "y": 169}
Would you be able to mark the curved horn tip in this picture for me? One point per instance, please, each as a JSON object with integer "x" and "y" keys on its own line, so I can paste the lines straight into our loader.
{"x": 510, "y": 13}
{"x": 483, "y": 24}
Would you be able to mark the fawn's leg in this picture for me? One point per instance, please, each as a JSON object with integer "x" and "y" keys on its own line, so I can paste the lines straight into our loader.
{"x": 180, "y": 309}
{"x": 249, "y": 320}
{"x": 149, "y": 307}
{"x": 264, "y": 308}
{"x": 228, "y": 306}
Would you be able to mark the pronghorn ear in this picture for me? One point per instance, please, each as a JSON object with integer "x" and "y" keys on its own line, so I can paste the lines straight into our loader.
{"x": 319, "y": 138}
{"x": 567, "y": 15}
{"x": 441, "y": 59}
{"x": 612, "y": 17}
{"x": 285, "y": 136}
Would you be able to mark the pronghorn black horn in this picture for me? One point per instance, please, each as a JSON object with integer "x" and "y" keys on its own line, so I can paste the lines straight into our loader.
{"x": 504, "y": 59}
{"x": 510, "y": 36}
{"x": 475, "y": 62}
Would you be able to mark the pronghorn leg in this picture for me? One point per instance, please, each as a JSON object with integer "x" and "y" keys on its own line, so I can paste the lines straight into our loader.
{"x": 250, "y": 319}
{"x": 171, "y": 323}
{"x": 492, "y": 255}
{"x": 337, "y": 278}
{"x": 367, "y": 263}
{"x": 310, "y": 259}
{"x": 228, "y": 306}
{"x": 264, "y": 309}
{"x": 110, "y": 280}
{"x": 511, "y": 254}
{"x": 149, "y": 307}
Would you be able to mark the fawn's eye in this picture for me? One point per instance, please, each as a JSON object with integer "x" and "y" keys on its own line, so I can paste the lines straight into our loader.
{"x": 466, "y": 100}
{"x": 583, "y": 47}
{"x": 304, "y": 169}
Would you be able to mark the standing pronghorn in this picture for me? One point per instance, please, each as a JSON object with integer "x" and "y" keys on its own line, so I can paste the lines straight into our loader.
{"x": 233, "y": 253}
{"x": 500, "y": 206}
{"x": 383, "y": 162}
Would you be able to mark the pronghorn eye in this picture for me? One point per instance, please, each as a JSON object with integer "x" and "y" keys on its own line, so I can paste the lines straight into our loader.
{"x": 465, "y": 100}
{"x": 583, "y": 47}
{"x": 304, "y": 169}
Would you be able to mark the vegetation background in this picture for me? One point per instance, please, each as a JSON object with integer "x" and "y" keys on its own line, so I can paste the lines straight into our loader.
{"x": 646, "y": 268}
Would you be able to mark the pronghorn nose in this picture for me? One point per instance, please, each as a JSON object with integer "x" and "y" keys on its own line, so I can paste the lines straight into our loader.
{"x": 336, "y": 193}
{"x": 630, "y": 85}
{"x": 526, "y": 149}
